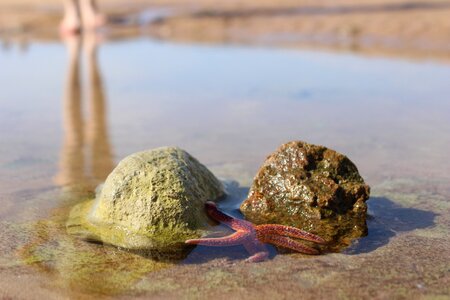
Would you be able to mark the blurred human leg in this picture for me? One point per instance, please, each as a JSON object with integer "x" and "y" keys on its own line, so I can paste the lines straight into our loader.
{"x": 91, "y": 17}
{"x": 71, "y": 22}
{"x": 97, "y": 127}
{"x": 71, "y": 164}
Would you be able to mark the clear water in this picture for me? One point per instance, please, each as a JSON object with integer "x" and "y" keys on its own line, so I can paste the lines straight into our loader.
{"x": 230, "y": 107}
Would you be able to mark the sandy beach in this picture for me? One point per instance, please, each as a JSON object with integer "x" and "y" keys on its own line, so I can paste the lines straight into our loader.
{"x": 414, "y": 29}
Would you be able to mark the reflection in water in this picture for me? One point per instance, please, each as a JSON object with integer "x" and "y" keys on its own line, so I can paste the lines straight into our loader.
{"x": 84, "y": 144}
{"x": 97, "y": 131}
{"x": 22, "y": 42}
{"x": 85, "y": 161}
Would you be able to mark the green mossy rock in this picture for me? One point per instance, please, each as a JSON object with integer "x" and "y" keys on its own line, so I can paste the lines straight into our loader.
{"x": 313, "y": 188}
{"x": 153, "y": 200}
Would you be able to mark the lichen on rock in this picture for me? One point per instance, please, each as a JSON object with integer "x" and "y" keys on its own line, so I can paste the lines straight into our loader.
{"x": 152, "y": 200}
{"x": 313, "y": 188}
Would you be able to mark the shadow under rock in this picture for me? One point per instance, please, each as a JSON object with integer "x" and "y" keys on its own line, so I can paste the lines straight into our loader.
{"x": 230, "y": 205}
{"x": 385, "y": 220}
{"x": 236, "y": 194}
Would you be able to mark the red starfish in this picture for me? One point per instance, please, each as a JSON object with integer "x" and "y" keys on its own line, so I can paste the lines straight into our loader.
{"x": 253, "y": 236}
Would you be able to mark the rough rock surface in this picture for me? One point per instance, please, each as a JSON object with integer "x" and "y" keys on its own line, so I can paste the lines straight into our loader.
{"x": 313, "y": 188}
{"x": 151, "y": 200}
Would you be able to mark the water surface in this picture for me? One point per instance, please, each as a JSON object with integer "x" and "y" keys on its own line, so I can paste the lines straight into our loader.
{"x": 69, "y": 114}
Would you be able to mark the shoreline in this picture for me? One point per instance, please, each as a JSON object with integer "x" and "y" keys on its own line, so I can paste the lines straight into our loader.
{"x": 381, "y": 28}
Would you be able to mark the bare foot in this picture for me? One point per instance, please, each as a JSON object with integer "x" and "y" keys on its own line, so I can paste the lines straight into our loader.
{"x": 92, "y": 21}
{"x": 70, "y": 26}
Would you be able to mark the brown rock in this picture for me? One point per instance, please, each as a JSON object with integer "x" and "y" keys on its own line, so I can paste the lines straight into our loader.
{"x": 313, "y": 188}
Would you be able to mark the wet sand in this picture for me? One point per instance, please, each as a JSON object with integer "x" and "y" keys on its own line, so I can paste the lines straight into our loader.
{"x": 413, "y": 29}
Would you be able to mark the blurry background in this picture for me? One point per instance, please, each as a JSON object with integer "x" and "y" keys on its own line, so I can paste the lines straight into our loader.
{"x": 386, "y": 27}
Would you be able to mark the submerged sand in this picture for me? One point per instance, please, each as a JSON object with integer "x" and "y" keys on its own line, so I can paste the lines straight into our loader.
{"x": 401, "y": 150}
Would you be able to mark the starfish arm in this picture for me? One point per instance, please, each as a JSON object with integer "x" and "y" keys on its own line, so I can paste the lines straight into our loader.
{"x": 234, "y": 239}
{"x": 276, "y": 229}
{"x": 257, "y": 250}
{"x": 258, "y": 257}
{"x": 217, "y": 215}
{"x": 286, "y": 242}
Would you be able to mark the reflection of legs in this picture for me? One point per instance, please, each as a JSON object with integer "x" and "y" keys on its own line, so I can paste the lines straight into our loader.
{"x": 71, "y": 21}
{"x": 101, "y": 159}
{"x": 71, "y": 162}
{"x": 91, "y": 16}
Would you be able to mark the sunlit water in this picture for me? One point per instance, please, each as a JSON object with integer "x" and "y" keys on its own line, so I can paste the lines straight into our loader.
{"x": 67, "y": 116}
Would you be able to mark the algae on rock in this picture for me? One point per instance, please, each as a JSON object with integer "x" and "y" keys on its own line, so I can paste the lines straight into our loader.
{"x": 313, "y": 188}
{"x": 152, "y": 200}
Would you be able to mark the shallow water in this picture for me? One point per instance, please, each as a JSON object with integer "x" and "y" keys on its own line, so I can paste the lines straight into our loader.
{"x": 67, "y": 116}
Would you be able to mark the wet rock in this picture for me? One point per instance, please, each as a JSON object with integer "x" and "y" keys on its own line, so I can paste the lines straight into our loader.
{"x": 152, "y": 200}
{"x": 313, "y": 188}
